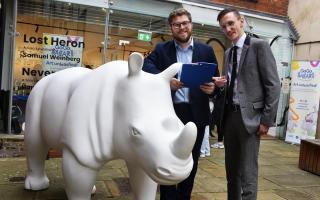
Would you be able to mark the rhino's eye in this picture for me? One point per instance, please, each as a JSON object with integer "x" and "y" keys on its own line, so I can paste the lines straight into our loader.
{"x": 135, "y": 132}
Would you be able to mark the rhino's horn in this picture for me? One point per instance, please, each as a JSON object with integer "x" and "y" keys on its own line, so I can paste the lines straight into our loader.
{"x": 171, "y": 71}
{"x": 183, "y": 145}
{"x": 135, "y": 63}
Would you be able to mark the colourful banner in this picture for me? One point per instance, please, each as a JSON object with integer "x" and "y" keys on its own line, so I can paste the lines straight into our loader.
{"x": 304, "y": 101}
{"x": 61, "y": 52}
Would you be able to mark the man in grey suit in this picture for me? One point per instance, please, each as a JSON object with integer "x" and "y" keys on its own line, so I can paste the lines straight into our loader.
{"x": 252, "y": 88}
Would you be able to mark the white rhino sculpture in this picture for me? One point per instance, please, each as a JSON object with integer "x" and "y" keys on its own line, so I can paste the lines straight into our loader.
{"x": 116, "y": 111}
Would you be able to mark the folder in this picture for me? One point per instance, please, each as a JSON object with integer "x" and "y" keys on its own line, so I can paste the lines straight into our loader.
{"x": 195, "y": 74}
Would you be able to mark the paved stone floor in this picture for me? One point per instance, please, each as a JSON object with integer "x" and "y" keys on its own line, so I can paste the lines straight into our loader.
{"x": 279, "y": 178}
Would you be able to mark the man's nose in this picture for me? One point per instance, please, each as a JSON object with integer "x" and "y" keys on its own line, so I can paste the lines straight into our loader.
{"x": 228, "y": 28}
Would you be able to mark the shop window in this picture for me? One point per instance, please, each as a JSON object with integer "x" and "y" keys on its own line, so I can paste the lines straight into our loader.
{"x": 52, "y": 36}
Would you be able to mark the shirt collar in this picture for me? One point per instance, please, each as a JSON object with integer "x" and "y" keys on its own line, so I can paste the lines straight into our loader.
{"x": 190, "y": 46}
{"x": 241, "y": 40}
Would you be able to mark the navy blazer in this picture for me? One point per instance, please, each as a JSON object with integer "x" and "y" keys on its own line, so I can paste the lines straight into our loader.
{"x": 164, "y": 55}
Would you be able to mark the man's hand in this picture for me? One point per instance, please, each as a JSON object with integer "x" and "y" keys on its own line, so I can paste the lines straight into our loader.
{"x": 175, "y": 84}
{"x": 207, "y": 88}
{"x": 263, "y": 130}
{"x": 220, "y": 81}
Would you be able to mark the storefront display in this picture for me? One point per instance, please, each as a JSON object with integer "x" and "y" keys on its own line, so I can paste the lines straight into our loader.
{"x": 51, "y": 35}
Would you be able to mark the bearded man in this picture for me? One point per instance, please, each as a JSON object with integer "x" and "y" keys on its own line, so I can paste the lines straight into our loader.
{"x": 190, "y": 104}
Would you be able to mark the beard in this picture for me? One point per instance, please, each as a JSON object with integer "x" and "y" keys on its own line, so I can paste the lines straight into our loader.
{"x": 181, "y": 39}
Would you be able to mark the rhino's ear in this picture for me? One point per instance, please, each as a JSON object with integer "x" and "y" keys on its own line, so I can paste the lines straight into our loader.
{"x": 135, "y": 63}
{"x": 171, "y": 71}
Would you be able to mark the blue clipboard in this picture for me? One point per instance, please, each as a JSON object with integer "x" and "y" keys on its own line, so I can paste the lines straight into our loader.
{"x": 195, "y": 74}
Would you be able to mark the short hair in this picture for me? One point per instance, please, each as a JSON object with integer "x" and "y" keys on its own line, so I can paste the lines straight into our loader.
{"x": 226, "y": 11}
{"x": 179, "y": 12}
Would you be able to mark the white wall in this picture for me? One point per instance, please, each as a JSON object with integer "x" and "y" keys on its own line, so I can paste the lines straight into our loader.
{"x": 306, "y": 17}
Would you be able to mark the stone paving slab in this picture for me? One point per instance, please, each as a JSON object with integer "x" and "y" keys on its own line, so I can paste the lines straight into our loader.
{"x": 296, "y": 194}
{"x": 279, "y": 178}
{"x": 15, "y": 192}
{"x": 269, "y": 195}
{"x": 266, "y": 185}
{"x": 295, "y": 180}
{"x": 314, "y": 192}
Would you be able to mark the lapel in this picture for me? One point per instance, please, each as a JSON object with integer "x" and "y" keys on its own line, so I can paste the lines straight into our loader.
{"x": 195, "y": 52}
{"x": 172, "y": 53}
{"x": 244, "y": 51}
{"x": 228, "y": 55}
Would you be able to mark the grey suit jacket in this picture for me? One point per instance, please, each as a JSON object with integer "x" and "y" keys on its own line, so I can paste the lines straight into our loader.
{"x": 258, "y": 84}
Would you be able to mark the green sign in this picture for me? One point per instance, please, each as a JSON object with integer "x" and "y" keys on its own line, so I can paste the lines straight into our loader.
{"x": 144, "y": 36}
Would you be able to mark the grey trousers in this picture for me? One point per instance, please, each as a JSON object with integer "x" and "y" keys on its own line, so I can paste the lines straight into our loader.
{"x": 241, "y": 158}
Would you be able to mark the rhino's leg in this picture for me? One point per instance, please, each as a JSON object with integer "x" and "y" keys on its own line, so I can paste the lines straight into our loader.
{"x": 78, "y": 178}
{"x": 36, "y": 152}
{"x": 143, "y": 187}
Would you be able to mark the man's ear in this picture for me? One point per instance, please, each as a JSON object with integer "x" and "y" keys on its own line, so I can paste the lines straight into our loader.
{"x": 242, "y": 21}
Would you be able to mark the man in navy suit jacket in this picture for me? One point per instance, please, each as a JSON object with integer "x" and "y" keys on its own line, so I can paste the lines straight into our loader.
{"x": 191, "y": 104}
